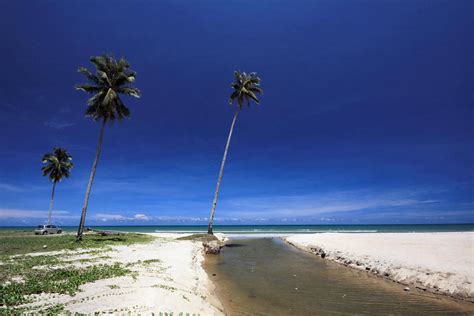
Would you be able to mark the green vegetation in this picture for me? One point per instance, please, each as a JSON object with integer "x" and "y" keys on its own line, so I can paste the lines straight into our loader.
{"x": 199, "y": 237}
{"x": 134, "y": 274}
{"x": 112, "y": 78}
{"x": 17, "y": 232}
{"x": 22, "y": 275}
{"x": 17, "y": 242}
{"x": 58, "y": 166}
{"x": 179, "y": 314}
{"x": 19, "y": 266}
{"x": 52, "y": 310}
{"x": 43, "y": 278}
{"x": 246, "y": 87}
{"x": 165, "y": 287}
{"x": 8, "y": 311}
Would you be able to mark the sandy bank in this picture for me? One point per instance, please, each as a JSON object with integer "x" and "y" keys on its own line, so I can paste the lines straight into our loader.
{"x": 439, "y": 262}
{"x": 167, "y": 277}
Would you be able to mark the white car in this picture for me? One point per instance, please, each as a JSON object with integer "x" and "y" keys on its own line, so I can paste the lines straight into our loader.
{"x": 47, "y": 229}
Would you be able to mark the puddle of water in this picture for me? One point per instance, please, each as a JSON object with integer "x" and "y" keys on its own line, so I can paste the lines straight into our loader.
{"x": 267, "y": 277}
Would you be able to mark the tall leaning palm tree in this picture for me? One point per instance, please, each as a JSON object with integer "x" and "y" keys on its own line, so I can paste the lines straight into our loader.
{"x": 245, "y": 88}
{"x": 58, "y": 166}
{"x": 112, "y": 78}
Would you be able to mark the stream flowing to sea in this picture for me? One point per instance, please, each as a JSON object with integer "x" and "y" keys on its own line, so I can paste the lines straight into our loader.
{"x": 266, "y": 276}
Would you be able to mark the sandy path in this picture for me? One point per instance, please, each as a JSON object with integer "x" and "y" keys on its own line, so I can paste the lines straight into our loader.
{"x": 441, "y": 262}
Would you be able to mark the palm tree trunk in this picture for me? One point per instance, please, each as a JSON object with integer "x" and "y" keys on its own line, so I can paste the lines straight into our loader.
{"x": 80, "y": 230}
{"x": 51, "y": 203}
{"x": 221, "y": 171}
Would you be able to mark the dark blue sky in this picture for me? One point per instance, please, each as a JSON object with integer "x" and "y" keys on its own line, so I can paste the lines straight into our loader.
{"x": 367, "y": 115}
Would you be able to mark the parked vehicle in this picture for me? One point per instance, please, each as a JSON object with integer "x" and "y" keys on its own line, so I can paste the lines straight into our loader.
{"x": 47, "y": 229}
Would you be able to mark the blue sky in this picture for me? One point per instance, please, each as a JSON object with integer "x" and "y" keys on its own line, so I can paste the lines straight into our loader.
{"x": 366, "y": 116}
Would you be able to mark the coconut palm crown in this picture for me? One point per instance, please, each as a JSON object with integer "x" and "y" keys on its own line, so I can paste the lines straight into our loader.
{"x": 246, "y": 86}
{"x": 111, "y": 79}
{"x": 58, "y": 164}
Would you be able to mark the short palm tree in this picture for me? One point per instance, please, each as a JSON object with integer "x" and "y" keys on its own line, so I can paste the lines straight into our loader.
{"x": 58, "y": 166}
{"x": 246, "y": 87}
{"x": 112, "y": 78}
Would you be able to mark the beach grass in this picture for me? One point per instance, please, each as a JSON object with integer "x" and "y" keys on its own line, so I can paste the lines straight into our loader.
{"x": 27, "y": 267}
{"x": 21, "y": 242}
{"x": 199, "y": 237}
{"x": 34, "y": 276}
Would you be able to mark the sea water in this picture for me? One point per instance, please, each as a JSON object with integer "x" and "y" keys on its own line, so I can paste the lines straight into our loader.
{"x": 281, "y": 229}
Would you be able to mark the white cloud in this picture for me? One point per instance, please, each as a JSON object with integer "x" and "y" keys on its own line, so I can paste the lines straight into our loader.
{"x": 140, "y": 217}
{"x": 119, "y": 217}
{"x": 57, "y": 123}
{"x": 15, "y": 188}
{"x": 11, "y": 188}
{"x": 21, "y": 214}
{"x": 314, "y": 205}
{"x": 109, "y": 217}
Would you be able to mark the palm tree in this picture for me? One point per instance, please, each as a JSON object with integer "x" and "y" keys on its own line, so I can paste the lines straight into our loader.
{"x": 111, "y": 79}
{"x": 58, "y": 166}
{"x": 246, "y": 87}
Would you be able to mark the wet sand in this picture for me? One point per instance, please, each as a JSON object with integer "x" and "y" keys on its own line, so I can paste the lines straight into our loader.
{"x": 268, "y": 277}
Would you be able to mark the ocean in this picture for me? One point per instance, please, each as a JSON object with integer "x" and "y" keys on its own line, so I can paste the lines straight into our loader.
{"x": 279, "y": 229}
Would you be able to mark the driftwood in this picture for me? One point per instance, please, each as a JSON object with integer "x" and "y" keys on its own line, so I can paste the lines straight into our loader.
{"x": 213, "y": 247}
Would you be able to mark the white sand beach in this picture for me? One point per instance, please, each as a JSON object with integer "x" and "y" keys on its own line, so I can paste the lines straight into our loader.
{"x": 167, "y": 277}
{"x": 166, "y": 274}
{"x": 439, "y": 262}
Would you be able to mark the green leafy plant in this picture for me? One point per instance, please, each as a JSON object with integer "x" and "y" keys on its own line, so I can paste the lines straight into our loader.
{"x": 61, "y": 280}
{"x": 18, "y": 243}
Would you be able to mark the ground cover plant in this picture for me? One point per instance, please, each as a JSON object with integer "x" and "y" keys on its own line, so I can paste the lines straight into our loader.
{"x": 20, "y": 242}
{"x": 26, "y": 268}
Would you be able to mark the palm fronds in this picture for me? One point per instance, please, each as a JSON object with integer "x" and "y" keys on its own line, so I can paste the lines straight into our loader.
{"x": 58, "y": 164}
{"x": 246, "y": 87}
{"x": 111, "y": 79}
